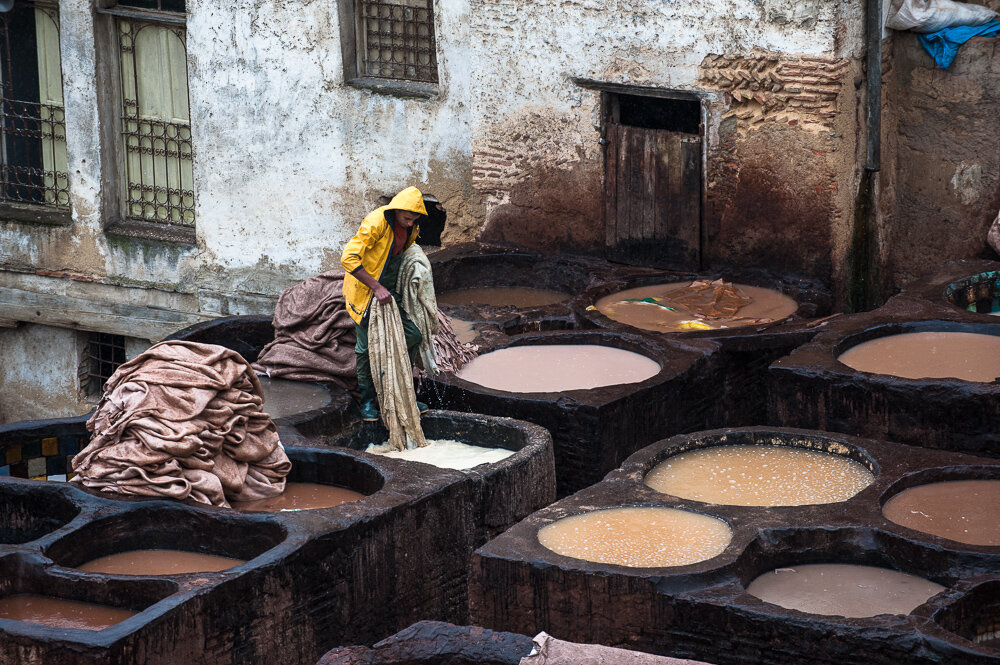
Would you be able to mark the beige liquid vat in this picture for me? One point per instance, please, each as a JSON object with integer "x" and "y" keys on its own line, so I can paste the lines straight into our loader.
{"x": 765, "y": 304}
{"x": 301, "y": 496}
{"x": 843, "y": 590}
{"x": 61, "y": 613}
{"x": 502, "y": 296}
{"x": 638, "y": 537}
{"x": 759, "y": 475}
{"x": 961, "y": 510}
{"x": 968, "y": 356}
{"x": 557, "y": 367}
{"x": 286, "y": 398}
{"x": 159, "y": 562}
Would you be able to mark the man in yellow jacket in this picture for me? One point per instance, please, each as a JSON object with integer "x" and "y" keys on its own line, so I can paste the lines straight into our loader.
{"x": 371, "y": 260}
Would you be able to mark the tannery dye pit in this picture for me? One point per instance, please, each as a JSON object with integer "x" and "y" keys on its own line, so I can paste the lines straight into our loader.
{"x": 557, "y": 368}
{"x": 158, "y": 562}
{"x": 638, "y": 537}
{"x": 843, "y": 590}
{"x": 680, "y": 307}
{"x": 920, "y": 355}
{"x": 301, "y": 496}
{"x": 759, "y": 476}
{"x": 961, "y": 510}
{"x": 61, "y": 613}
{"x": 502, "y": 297}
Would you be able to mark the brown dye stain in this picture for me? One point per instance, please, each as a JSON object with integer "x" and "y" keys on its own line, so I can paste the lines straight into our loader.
{"x": 773, "y": 205}
{"x": 555, "y": 209}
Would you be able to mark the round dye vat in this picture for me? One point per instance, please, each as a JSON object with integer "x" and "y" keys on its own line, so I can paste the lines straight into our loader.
{"x": 961, "y": 510}
{"x": 286, "y": 398}
{"x": 557, "y": 367}
{"x": 638, "y": 537}
{"x": 968, "y": 356}
{"x": 61, "y": 613}
{"x": 502, "y": 297}
{"x": 843, "y": 590}
{"x": 159, "y": 562}
{"x": 646, "y": 307}
{"x": 759, "y": 475}
{"x": 301, "y": 496}
{"x": 446, "y": 454}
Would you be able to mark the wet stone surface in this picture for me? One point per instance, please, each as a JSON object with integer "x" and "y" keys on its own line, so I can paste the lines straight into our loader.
{"x": 682, "y": 610}
{"x": 811, "y": 387}
{"x": 311, "y": 579}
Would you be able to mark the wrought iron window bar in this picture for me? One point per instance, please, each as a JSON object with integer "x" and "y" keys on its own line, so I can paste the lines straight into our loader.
{"x": 32, "y": 133}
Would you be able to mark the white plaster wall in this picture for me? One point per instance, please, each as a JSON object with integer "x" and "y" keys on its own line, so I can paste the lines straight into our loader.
{"x": 38, "y": 376}
{"x": 287, "y": 158}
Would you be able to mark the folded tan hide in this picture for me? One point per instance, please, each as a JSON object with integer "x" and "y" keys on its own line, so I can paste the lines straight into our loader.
{"x": 313, "y": 334}
{"x": 184, "y": 420}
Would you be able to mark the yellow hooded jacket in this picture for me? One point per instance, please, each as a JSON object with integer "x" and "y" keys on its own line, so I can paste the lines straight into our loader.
{"x": 370, "y": 247}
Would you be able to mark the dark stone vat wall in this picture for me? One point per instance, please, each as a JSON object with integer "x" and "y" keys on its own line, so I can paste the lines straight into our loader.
{"x": 593, "y": 431}
{"x": 810, "y": 388}
{"x": 345, "y": 575}
{"x": 436, "y": 643}
{"x": 702, "y": 611}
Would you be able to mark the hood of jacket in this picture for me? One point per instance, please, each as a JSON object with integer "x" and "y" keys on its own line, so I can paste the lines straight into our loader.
{"x": 409, "y": 199}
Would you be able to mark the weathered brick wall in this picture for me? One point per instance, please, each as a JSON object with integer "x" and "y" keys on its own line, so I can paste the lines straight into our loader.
{"x": 781, "y": 176}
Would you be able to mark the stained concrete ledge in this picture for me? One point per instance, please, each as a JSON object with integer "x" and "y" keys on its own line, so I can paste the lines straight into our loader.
{"x": 702, "y": 611}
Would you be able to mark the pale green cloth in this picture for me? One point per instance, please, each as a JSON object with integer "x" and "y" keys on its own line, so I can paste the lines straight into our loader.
{"x": 416, "y": 287}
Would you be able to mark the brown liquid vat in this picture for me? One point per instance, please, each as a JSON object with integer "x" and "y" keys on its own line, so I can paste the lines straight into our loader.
{"x": 745, "y": 352}
{"x": 594, "y": 430}
{"x": 812, "y": 388}
{"x": 497, "y": 269}
{"x": 683, "y": 610}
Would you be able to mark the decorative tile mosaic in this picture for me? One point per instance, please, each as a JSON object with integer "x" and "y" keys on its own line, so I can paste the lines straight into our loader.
{"x": 49, "y": 458}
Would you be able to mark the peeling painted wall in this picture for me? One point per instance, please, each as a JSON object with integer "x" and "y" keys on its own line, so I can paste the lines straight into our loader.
{"x": 287, "y": 158}
{"x": 41, "y": 372}
{"x": 776, "y": 80}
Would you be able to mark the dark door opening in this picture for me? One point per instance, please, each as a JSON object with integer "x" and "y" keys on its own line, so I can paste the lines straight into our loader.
{"x": 652, "y": 186}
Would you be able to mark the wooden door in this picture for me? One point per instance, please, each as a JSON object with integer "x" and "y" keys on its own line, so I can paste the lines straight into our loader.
{"x": 652, "y": 197}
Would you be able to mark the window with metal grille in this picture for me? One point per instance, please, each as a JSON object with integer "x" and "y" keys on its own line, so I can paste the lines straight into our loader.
{"x": 157, "y": 156}
{"x": 395, "y": 40}
{"x": 105, "y": 352}
{"x": 32, "y": 121}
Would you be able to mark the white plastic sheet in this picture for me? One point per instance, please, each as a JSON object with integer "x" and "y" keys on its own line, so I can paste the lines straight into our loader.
{"x": 934, "y": 15}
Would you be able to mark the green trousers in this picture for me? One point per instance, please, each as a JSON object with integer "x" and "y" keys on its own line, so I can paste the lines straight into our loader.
{"x": 410, "y": 333}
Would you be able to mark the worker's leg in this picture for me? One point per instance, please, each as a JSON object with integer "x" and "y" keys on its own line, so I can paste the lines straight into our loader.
{"x": 368, "y": 404}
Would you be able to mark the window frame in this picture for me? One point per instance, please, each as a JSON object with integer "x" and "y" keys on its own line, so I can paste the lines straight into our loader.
{"x": 46, "y": 214}
{"x": 109, "y": 98}
{"x": 349, "y": 39}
